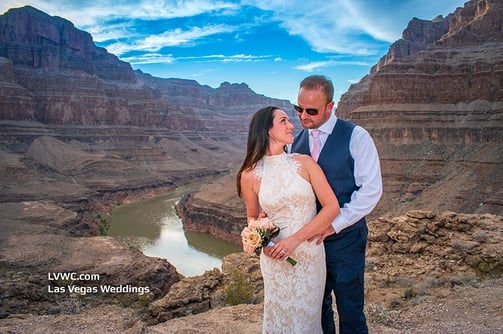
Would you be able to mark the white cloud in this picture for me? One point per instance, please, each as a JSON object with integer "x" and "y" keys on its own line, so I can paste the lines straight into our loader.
{"x": 243, "y": 57}
{"x": 119, "y": 48}
{"x": 337, "y": 26}
{"x": 315, "y": 66}
{"x": 179, "y": 36}
{"x": 227, "y": 59}
{"x": 154, "y": 58}
{"x": 311, "y": 67}
{"x": 108, "y": 32}
{"x": 176, "y": 37}
{"x": 90, "y": 13}
{"x": 326, "y": 26}
{"x": 150, "y": 58}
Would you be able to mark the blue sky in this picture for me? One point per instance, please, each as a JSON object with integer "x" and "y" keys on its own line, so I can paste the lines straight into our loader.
{"x": 271, "y": 45}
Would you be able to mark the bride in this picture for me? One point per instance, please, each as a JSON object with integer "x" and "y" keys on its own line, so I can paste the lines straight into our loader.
{"x": 285, "y": 187}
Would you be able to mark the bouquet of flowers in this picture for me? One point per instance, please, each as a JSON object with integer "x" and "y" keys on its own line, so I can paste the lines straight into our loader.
{"x": 258, "y": 234}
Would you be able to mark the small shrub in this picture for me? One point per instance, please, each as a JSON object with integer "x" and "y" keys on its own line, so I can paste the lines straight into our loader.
{"x": 144, "y": 301}
{"x": 73, "y": 304}
{"x": 387, "y": 282}
{"x": 409, "y": 292}
{"x": 127, "y": 299}
{"x": 396, "y": 302}
{"x": 462, "y": 279}
{"x": 103, "y": 225}
{"x": 238, "y": 290}
{"x": 434, "y": 282}
{"x": 489, "y": 268}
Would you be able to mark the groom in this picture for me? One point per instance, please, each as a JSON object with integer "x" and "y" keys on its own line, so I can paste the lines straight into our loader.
{"x": 349, "y": 158}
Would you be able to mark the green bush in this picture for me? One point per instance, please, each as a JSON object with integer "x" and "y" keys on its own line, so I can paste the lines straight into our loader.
{"x": 238, "y": 290}
{"x": 103, "y": 225}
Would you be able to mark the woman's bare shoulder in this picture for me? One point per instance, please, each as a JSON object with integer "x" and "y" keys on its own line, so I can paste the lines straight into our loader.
{"x": 303, "y": 158}
{"x": 248, "y": 174}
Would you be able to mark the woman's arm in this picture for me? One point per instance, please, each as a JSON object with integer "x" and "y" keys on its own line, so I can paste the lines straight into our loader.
{"x": 330, "y": 209}
{"x": 249, "y": 191}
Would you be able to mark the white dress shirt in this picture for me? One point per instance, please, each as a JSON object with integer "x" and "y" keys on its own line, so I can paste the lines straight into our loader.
{"x": 367, "y": 173}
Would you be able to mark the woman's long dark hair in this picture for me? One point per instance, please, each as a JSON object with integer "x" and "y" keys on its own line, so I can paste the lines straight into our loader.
{"x": 258, "y": 140}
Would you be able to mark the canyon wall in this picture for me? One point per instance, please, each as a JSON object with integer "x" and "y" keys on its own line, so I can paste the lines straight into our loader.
{"x": 55, "y": 82}
{"x": 58, "y": 75}
{"x": 434, "y": 105}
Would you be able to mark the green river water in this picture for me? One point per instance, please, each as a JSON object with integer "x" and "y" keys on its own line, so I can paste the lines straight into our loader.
{"x": 152, "y": 226}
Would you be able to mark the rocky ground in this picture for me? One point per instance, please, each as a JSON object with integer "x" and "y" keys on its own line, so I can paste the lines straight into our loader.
{"x": 464, "y": 309}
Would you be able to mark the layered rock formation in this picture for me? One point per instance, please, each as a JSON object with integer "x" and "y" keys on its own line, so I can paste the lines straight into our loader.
{"x": 434, "y": 105}
{"x": 214, "y": 209}
{"x": 61, "y": 77}
{"x": 32, "y": 38}
{"x": 191, "y": 106}
{"x": 131, "y": 131}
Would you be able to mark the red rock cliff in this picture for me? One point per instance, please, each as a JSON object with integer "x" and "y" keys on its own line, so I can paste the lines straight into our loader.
{"x": 434, "y": 104}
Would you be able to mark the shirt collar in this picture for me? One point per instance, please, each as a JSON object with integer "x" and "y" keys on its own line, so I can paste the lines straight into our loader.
{"x": 328, "y": 126}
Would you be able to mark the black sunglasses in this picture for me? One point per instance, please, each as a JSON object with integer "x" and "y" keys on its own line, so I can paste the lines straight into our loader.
{"x": 310, "y": 111}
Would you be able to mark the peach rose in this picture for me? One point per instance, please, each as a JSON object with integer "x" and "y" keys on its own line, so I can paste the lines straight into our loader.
{"x": 253, "y": 239}
{"x": 248, "y": 249}
{"x": 261, "y": 223}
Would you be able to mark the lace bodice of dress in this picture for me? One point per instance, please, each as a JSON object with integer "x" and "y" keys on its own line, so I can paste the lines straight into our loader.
{"x": 284, "y": 194}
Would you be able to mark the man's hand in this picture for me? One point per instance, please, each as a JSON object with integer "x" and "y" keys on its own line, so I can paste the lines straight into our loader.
{"x": 320, "y": 237}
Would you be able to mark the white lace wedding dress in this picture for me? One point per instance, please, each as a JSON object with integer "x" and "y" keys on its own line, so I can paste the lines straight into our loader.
{"x": 292, "y": 295}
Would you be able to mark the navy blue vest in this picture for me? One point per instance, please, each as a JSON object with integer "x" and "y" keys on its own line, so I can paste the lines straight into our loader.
{"x": 335, "y": 159}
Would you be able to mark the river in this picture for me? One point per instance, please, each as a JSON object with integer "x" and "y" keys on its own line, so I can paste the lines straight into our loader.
{"x": 153, "y": 227}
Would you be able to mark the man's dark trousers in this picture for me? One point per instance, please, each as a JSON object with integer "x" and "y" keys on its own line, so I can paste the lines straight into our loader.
{"x": 345, "y": 256}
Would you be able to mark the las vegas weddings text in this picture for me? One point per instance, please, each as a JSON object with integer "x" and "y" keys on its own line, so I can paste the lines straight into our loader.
{"x": 68, "y": 283}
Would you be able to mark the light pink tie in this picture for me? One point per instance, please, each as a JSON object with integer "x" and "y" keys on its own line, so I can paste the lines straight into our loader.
{"x": 316, "y": 148}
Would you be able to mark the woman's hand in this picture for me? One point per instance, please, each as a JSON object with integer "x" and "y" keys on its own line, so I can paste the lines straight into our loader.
{"x": 283, "y": 248}
{"x": 267, "y": 251}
